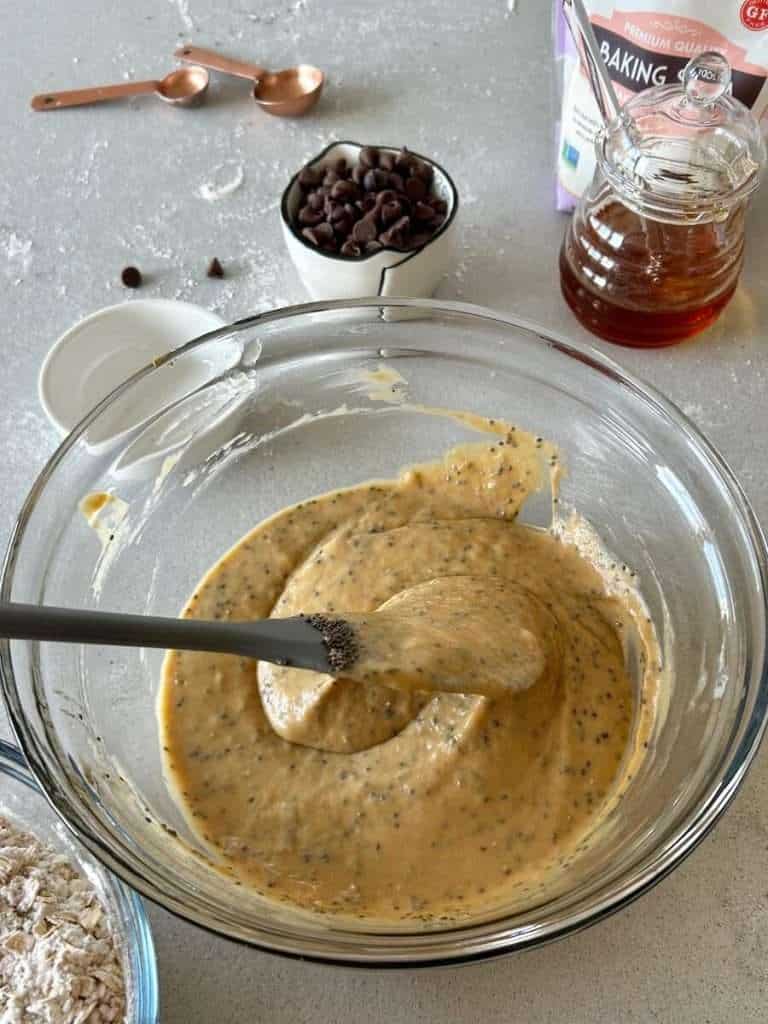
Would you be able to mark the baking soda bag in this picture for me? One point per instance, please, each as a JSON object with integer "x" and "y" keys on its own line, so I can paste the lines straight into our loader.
{"x": 646, "y": 43}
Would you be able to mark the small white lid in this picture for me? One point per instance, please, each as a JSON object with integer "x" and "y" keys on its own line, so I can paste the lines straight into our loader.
{"x": 100, "y": 352}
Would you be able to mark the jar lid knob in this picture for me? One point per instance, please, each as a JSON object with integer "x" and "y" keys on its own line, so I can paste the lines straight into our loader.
{"x": 706, "y": 78}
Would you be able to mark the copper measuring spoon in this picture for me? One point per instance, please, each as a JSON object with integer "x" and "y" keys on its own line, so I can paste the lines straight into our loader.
{"x": 184, "y": 87}
{"x": 288, "y": 93}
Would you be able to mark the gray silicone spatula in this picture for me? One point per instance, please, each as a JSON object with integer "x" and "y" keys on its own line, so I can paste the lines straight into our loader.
{"x": 421, "y": 639}
{"x": 313, "y": 642}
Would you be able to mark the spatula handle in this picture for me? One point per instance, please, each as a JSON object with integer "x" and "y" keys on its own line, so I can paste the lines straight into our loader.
{"x": 290, "y": 640}
{"x": 72, "y": 625}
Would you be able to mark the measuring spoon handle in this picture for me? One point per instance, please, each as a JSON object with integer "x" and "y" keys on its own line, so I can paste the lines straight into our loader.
{"x": 218, "y": 62}
{"x": 97, "y": 94}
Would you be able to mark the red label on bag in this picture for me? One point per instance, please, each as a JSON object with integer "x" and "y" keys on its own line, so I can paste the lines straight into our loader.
{"x": 754, "y": 15}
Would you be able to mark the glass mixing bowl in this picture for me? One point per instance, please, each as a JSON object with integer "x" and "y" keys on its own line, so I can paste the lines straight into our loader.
{"x": 277, "y": 408}
{"x": 22, "y": 802}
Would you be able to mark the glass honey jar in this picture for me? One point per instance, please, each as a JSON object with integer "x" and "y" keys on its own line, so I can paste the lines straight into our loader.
{"x": 655, "y": 247}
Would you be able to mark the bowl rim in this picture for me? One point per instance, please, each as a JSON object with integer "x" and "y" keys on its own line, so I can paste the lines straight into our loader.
{"x": 407, "y": 254}
{"x": 128, "y": 307}
{"x": 133, "y": 913}
{"x": 486, "y": 945}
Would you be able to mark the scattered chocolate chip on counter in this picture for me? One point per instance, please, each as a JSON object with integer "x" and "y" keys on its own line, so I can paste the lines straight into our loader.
{"x": 215, "y": 268}
{"x": 131, "y": 277}
{"x": 384, "y": 200}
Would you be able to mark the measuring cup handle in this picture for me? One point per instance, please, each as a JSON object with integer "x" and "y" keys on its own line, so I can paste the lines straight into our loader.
{"x": 98, "y": 94}
{"x": 216, "y": 61}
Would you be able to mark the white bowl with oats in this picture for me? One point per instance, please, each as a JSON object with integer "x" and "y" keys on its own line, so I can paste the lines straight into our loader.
{"x": 75, "y": 943}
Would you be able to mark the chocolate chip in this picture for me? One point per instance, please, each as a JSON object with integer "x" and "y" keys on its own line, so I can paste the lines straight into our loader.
{"x": 369, "y": 157}
{"x": 403, "y": 161}
{"x": 365, "y": 229}
{"x": 415, "y": 189}
{"x": 397, "y": 234}
{"x": 309, "y": 216}
{"x": 330, "y": 207}
{"x": 375, "y": 180}
{"x": 376, "y": 211}
{"x": 422, "y": 171}
{"x": 350, "y": 248}
{"x": 345, "y": 190}
{"x": 391, "y": 211}
{"x": 215, "y": 268}
{"x": 384, "y": 199}
{"x": 309, "y": 177}
{"x": 131, "y": 277}
{"x": 324, "y": 232}
{"x": 423, "y": 211}
{"x": 343, "y": 225}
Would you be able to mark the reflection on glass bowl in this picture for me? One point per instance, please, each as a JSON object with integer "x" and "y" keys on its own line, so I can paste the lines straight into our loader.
{"x": 285, "y": 415}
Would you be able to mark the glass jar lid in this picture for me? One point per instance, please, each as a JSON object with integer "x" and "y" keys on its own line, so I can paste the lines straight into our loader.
{"x": 688, "y": 151}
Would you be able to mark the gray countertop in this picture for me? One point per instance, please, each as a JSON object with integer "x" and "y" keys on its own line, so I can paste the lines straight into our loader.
{"x": 84, "y": 192}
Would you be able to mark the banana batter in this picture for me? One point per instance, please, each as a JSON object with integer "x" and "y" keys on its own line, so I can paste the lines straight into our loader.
{"x": 394, "y": 804}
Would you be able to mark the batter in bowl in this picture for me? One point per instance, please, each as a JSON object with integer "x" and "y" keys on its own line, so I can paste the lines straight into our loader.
{"x": 393, "y": 804}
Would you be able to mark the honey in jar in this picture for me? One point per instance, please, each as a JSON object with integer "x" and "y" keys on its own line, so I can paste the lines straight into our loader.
{"x": 655, "y": 247}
